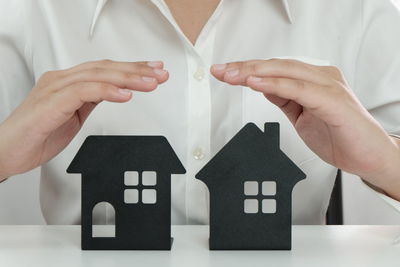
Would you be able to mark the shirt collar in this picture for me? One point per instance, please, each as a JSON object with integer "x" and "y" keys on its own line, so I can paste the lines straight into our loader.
{"x": 99, "y": 7}
{"x": 101, "y": 3}
{"x": 288, "y": 10}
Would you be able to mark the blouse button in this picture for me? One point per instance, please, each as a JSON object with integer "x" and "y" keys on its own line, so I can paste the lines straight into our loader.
{"x": 199, "y": 74}
{"x": 198, "y": 154}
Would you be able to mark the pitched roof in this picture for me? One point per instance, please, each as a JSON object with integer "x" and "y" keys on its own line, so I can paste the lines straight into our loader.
{"x": 126, "y": 153}
{"x": 253, "y": 152}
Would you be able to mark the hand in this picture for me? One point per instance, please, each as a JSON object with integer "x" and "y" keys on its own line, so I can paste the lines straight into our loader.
{"x": 56, "y": 108}
{"x": 325, "y": 113}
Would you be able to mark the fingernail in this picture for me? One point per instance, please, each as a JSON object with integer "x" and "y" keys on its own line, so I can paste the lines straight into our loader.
{"x": 254, "y": 79}
{"x": 159, "y": 71}
{"x": 125, "y": 91}
{"x": 232, "y": 73}
{"x": 219, "y": 66}
{"x": 154, "y": 63}
{"x": 148, "y": 79}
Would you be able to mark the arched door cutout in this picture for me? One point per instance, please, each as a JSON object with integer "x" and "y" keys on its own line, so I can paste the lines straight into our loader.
{"x": 107, "y": 227}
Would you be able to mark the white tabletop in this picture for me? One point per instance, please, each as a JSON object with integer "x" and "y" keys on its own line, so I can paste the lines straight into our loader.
{"x": 312, "y": 246}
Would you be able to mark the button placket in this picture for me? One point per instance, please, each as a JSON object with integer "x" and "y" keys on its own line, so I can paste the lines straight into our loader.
{"x": 199, "y": 74}
{"x": 199, "y": 130}
{"x": 199, "y": 108}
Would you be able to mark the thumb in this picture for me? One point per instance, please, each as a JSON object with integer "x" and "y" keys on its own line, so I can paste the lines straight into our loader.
{"x": 291, "y": 109}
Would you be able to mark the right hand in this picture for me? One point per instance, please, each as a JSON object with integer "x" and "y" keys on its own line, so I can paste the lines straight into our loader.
{"x": 56, "y": 108}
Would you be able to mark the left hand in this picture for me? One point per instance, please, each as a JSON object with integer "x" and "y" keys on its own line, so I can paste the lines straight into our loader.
{"x": 324, "y": 111}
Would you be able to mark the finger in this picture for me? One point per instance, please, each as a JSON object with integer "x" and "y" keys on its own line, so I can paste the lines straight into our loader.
{"x": 92, "y": 92}
{"x": 291, "y": 109}
{"x": 85, "y": 111}
{"x": 144, "y": 68}
{"x": 307, "y": 94}
{"x": 332, "y": 71}
{"x": 236, "y": 73}
{"x": 62, "y": 104}
{"x": 219, "y": 70}
{"x": 129, "y": 80}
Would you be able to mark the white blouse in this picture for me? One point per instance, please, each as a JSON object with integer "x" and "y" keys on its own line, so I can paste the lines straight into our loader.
{"x": 197, "y": 113}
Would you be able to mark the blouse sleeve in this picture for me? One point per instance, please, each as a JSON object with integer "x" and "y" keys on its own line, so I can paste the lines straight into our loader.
{"x": 377, "y": 69}
{"x": 16, "y": 78}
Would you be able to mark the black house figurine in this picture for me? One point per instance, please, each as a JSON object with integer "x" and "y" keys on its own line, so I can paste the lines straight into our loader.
{"x": 132, "y": 173}
{"x": 250, "y": 182}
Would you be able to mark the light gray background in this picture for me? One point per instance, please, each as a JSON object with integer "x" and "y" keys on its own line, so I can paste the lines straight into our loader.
{"x": 19, "y": 202}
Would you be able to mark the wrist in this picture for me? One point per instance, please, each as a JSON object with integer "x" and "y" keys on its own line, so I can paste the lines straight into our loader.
{"x": 387, "y": 178}
{"x": 4, "y": 174}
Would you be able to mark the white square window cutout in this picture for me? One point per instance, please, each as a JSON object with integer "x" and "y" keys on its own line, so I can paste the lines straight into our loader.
{"x": 149, "y": 196}
{"x": 149, "y": 178}
{"x": 250, "y": 206}
{"x": 131, "y": 178}
{"x": 269, "y": 206}
{"x": 268, "y": 188}
{"x": 251, "y": 188}
{"x": 131, "y": 196}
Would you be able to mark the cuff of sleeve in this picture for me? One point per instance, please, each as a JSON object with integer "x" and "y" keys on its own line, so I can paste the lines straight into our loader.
{"x": 391, "y": 201}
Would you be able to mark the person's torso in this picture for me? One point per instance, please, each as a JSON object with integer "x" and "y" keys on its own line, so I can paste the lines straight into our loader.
{"x": 197, "y": 113}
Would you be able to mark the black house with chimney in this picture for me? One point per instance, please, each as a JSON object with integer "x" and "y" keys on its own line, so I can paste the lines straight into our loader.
{"x": 250, "y": 182}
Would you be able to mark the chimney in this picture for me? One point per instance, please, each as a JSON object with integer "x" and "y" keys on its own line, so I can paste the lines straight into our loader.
{"x": 271, "y": 131}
